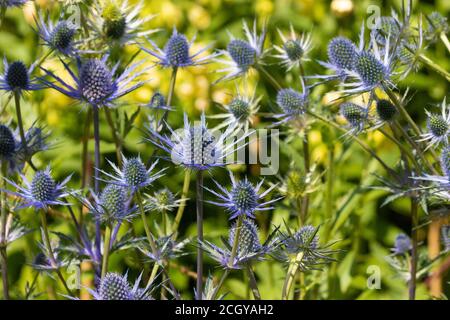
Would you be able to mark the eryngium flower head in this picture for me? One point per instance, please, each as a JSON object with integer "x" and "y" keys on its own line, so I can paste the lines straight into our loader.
{"x": 58, "y": 37}
{"x": 355, "y": 115}
{"x": 292, "y": 103}
{"x": 162, "y": 201}
{"x": 386, "y": 111}
{"x": 243, "y": 198}
{"x": 438, "y": 126}
{"x": 370, "y": 70}
{"x": 7, "y": 143}
{"x": 166, "y": 249}
{"x": 243, "y": 54}
{"x": 437, "y": 24}
{"x": 341, "y": 53}
{"x": 12, "y": 3}
{"x": 113, "y": 202}
{"x": 134, "y": 174}
{"x": 445, "y": 161}
{"x": 248, "y": 240}
{"x": 158, "y": 102}
{"x": 402, "y": 245}
{"x": 42, "y": 192}
{"x": 114, "y": 286}
{"x": 195, "y": 146}
{"x": 295, "y": 49}
{"x": 16, "y": 77}
{"x": 304, "y": 248}
{"x": 176, "y": 52}
{"x": 96, "y": 84}
{"x": 249, "y": 248}
{"x": 240, "y": 111}
{"x": 118, "y": 24}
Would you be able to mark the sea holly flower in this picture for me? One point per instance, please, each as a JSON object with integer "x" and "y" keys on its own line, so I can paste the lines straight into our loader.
{"x": 134, "y": 175}
{"x": 158, "y": 102}
{"x": 440, "y": 184}
{"x": 402, "y": 245}
{"x": 42, "y": 192}
{"x": 249, "y": 247}
{"x": 162, "y": 201}
{"x": 114, "y": 286}
{"x": 59, "y": 36}
{"x": 118, "y": 21}
{"x": 239, "y": 111}
{"x": 110, "y": 206}
{"x": 355, "y": 115}
{"x": 96, "y": 84}
{"x": 294, "y": 50}
{"x": 292, "y": 103}
{"x": 17, "y": 77}
{"x": 243, "y": 199}
{"x": 241, "y": 55}
{"x": 197, "y": 147}
{"x": 437, "y": 24}
{"x": 166, "y": 249}
{"x": 176, "y": 52}
{"x": 385, "y": 110}
{"x": 386, "y": 26}
{"x": 438, "y": 126}
{"x": 306, "y": 243}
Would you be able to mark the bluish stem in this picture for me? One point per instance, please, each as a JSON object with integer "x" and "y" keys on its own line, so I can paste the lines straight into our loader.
{"x": 96, "y": 172}
{"x": 199, "y": 234}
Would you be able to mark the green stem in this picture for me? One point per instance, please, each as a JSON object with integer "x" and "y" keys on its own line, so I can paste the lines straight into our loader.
{"x": 3, "y": 235}
{"x": 292, "y": 271}
{"x": 237, "y": 233}
{"x": 414, "y": 238}
{"x": 220, "y": 284}
{"x": 46, "y": 240}
{"x": 173, "y": 79}
{"x": 434, "y": 66}
{"x": 199, "y": 234}
{"x": 106, "y": 246}
{"x": 252, "y": 283}
{"x": 41, "y": 61}
{"x": 305, "y": 198}
{"x": 21, "y": 129}
{"x": 269, "y": 77}
{"x": 96, "y": 121}
{"x": 184, "y": 194}
{"x": 153, "y": 273}
{"x": 444, "y": 39}
{"x": 148, "y": 232}
{"x": 115, "y": 135}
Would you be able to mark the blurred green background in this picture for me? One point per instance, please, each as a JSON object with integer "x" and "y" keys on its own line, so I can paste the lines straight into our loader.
{"x": 365, "y": 229}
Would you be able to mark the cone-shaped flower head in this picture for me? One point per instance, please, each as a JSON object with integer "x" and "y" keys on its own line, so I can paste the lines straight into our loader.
{"x": 43, "y": 187}
{"x": 248, "y": 240}
{"x": 96, "y": 81}
{"x": 291, "y": 101}
{"x": 7, "y": 143}
{"x": 243, "y": 54}
{"x": 342, "y": 53}
{"x": 402, "y": 244}
{"x": 371, "y": 70}
{"x": 114, "y": 287}
{"x": 12, "y": 3}
{"x": 304, "y": 239}
{"x": 437, "y": 125}
{"x": 16, "y": 77}
{"x": 113, "y": 201}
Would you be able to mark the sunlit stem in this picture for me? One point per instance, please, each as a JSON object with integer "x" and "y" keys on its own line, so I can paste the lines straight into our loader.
{"x": 292, "y": 271}
{"x": 173, "y": 80}
{"x": 252, "y": 282}
{"x": 434, "y": 66}
{"x": 46, "y": 240}
{"x": 220, "y": 284}
{"x": 444, "y": 39}
{"x": 116, "y": 136}
{"x": 237, "y": 233}
{"x": 3, "y": 235}
{"x": 106, "y": 246}
{"x": 184, "y": 194}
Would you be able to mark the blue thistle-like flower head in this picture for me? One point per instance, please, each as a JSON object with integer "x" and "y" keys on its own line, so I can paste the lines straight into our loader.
{"x": 162, "y": 201}
{"x": 243, "y": 198}
{"x": 158, "y": 102}
{"x": 7, "y": 143}
{"x": 292, "y": 103}
{"x": 355, "y": 115}
{"x": 114, "y": 286}
{"x": 243, "y": 54}
{"x": 113, "y": 202}
{"x": 248, "y": 240}
{"x": 116, "y": 22}
{"x": 166, "y": 249}
{"x": 17, "y": 77}
{"x": 438, "y": 126}
{"x": 96, "y": 84}
{"x": 371, "y": 70}
{"x": 134, "y": 174}
{"x": 304, "y": 239}
{"x": 386, "y": 111}
{"x": 437, "y": 24}
{"x": 402, "y": 244}
{"x": 294, "y": 50}
{"x": 59, "y": 36}
{"x": 176, "y": 52}
{"x": 342, "y": 53}
{"x": 42, "y": 192}
{"x": 197, "y": 147}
